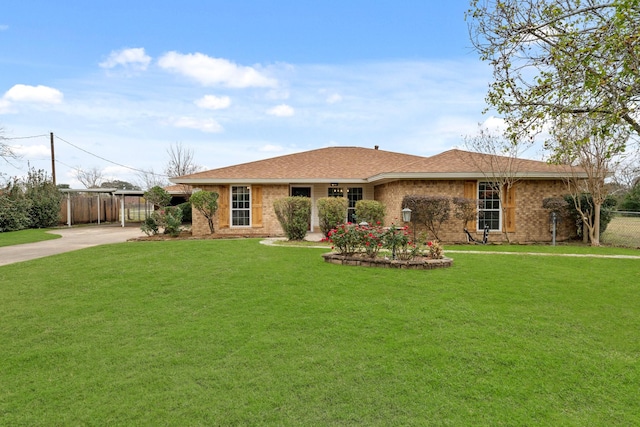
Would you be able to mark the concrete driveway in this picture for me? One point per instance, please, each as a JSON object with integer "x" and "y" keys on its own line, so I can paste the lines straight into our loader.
{"x": 72, "y": 239}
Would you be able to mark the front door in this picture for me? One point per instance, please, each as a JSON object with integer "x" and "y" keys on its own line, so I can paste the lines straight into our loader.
{"x": 302, "y": 192}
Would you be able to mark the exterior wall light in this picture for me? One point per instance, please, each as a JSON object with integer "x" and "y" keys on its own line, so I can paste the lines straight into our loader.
{"x": 406, "y": 215}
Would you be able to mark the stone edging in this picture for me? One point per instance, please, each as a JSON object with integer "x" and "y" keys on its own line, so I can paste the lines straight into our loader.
{"x": 423, "y": 264}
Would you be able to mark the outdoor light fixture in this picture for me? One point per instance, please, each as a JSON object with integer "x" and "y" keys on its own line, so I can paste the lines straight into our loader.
{"x": 406, "y": 215}
{"x": 334, "y": 184}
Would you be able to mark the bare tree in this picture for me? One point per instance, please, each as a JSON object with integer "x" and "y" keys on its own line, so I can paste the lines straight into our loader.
{"x": 580, "y": 142}
{"x": 90, "y": 178}
{"x": 150, "y": 179}
{"x": 499, "y": 163}
{"x": 7, "y": 152}
{"x": 181, "y": 161}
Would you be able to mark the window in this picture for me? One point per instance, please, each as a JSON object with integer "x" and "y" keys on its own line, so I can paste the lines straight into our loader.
{"x": 353, "y": 195}
{"x": 489, "y": 207}
{"x": 241, "y": 206}
{"x": 334, "y": 192}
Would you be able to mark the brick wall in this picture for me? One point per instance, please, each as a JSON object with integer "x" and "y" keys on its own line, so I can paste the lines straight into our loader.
{"x": 270, "y": 225}
{"x": 532, "y": 220}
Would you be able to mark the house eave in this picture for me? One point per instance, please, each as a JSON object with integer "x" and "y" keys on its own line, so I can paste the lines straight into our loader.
{"x": 265, "y": 181}
{"x": 395, "y": 176}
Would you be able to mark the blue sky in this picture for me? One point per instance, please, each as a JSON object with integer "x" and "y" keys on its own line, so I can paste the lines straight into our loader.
{"x": 234, "y": 81}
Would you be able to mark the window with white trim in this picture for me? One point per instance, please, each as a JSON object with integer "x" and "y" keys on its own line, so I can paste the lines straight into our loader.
{"x": 489, "y": 211}
{"x": 240, "y": 206}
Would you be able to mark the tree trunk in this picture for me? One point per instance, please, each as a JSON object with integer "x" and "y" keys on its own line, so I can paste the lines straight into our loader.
{"x": 595, "y": 227}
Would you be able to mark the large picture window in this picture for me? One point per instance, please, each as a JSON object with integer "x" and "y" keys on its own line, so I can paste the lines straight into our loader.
{"x": 489, "y": 206}
{"x": 240, "y": 206}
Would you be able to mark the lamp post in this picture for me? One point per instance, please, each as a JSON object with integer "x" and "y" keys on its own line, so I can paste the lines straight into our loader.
{"x": 406, "y": 217}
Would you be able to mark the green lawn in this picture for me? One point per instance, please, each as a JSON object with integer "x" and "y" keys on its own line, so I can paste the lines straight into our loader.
{"x": 231, "y": 332}
{"x": 26, "y": 236}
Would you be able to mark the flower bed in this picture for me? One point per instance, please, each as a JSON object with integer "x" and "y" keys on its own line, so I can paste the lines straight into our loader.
{"x": 359, "y": 244}
{"x": 418, "y": 263}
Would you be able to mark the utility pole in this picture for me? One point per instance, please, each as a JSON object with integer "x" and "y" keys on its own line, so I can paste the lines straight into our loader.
{"x": 53, "y": 160}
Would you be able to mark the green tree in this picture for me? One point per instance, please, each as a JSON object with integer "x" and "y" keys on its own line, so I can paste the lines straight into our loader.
{"x": 631, "y": 201}
{"x": 558, "y": 57}
{"x": 158, "y": 196}
{"x": 206, "y": 202}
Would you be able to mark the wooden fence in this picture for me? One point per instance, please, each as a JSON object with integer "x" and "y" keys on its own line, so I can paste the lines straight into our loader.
{"x": 84, "y": 209}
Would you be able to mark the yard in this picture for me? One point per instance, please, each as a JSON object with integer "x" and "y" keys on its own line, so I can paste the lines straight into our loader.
{"x": 231, "y": 332}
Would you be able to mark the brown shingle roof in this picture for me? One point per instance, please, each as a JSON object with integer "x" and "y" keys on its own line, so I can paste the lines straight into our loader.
{"x": 336, "y": 164}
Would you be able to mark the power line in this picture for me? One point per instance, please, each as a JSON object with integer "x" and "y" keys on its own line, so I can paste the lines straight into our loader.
{"x": 107, "y": 160}
{"x": 22, "y": 137}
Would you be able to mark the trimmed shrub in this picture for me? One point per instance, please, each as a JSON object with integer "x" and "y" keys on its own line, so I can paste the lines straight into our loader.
{"x": 370, "y": 211}
{"x": 294, "y": 215}
{"x": 332, "y": 211}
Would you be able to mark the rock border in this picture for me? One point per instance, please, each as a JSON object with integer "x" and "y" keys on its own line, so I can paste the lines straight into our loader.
{"x": 416, "y": 264}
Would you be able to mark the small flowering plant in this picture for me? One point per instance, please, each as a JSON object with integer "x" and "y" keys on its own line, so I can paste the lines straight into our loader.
{"x": 435, "y": 249}
{"x": 345, "y": 238}
{"x": 371, "y": 239}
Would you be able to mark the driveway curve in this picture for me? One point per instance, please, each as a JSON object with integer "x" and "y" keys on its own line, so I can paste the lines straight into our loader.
{"x": 72, "y": 239}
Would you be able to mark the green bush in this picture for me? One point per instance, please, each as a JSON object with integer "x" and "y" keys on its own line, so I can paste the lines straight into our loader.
{"x": 150, "y": 225}
{"x": 33, "y": 202}
{"x": 187, "y": 214}
{"x": 171, "y": 220}
{"x": 370, "y": 211}
{"x": 13, "y": 213}
{"x": 294, "y": 215}
{"x": 332, "y": 211}
{"x": 586, "y": 201}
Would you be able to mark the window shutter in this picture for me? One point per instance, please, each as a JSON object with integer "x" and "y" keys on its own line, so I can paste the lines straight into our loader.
{"x": 256, "y": 206}
{"x": 223, "y": 207}
{"x": 510, "y": 211}
{"x": 471, "y": 193}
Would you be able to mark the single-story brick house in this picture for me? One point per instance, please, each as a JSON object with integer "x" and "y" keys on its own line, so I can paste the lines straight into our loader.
{"x": 247, "y": 191}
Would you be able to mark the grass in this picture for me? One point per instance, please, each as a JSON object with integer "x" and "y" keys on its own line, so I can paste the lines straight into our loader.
{"x": 11, "y": 238}
{"x": 623, "y": 231}
{"x": 236, "y": 333}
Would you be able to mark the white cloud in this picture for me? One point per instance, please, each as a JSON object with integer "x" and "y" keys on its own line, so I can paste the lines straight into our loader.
{"x": 333, "y": 98}
{"x": 270, "y": 148}
{"x": 5, "y": 106}
{"x": 282, "y": 110}
{"x": 134, "y": 58}
{"x": 210, "y": 71}
{"x": 33, "y": 151}
{"x": 212, "y": 102}
{"x": 204, "y": 125}
{"x": 39, "y": 94}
